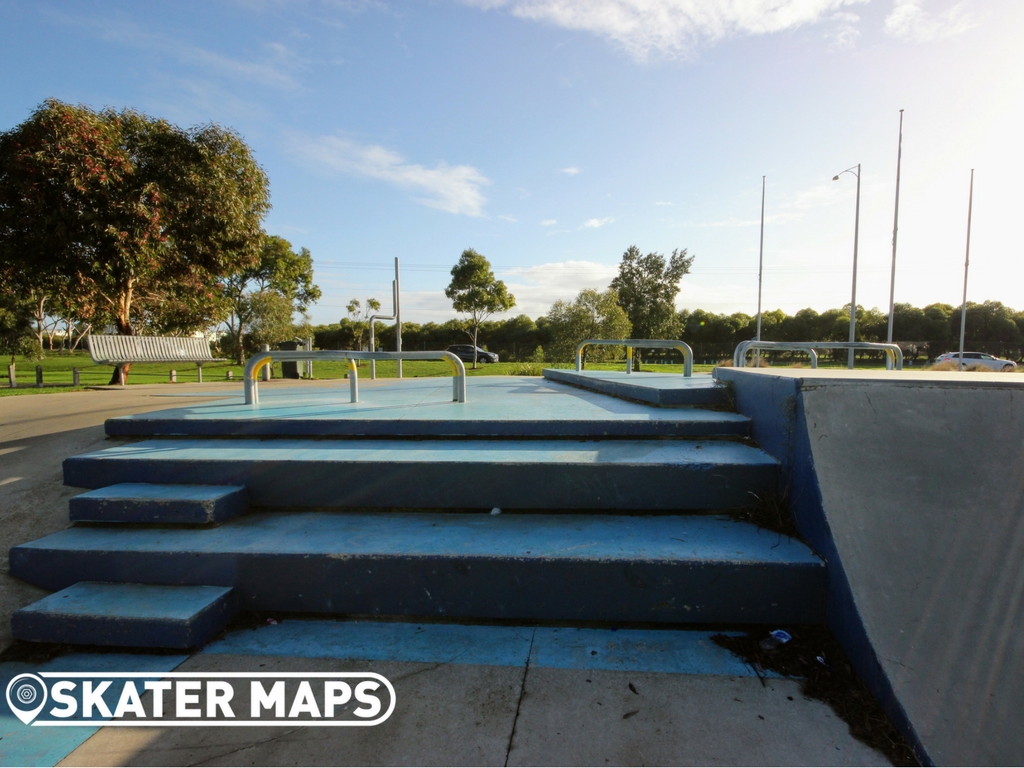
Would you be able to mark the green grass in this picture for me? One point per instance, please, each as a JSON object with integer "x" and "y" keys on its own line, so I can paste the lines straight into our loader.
{"x": 57, "y": 371}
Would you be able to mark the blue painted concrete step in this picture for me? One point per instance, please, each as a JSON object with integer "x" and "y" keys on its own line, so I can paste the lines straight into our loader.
{"x": 156, "y": 503}
{"x": 499, "y": 406}
{"x": 448, "y": 474}
{"x": 661, "y": 389}
{"x": 667, "y": 568}
{"x": 127, "y": 615}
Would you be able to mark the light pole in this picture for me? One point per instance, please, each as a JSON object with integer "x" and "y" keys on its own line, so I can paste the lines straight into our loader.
{"x": 967, "y": 264}
{"x": 856, "y": 235}
{"x": 895, "y": 227}
{"x": 760, "y": 275}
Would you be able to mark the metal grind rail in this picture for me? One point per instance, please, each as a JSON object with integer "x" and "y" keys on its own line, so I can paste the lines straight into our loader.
{"x": 893, "y": 354}
{"x": 629, "y": 344}
{"x": 257, "y": 361}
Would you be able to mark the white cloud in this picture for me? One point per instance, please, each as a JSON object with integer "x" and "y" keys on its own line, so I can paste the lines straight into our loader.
{"x": 571, "y": 170}
{"x": 909, "y": 21}
{"x": 663, "y": 202}
{"x": 670, "y": 27}
{"x": 548, "y": 223}
{"x": 506, "y": 217}
{"x": 537, "y": 288}
{"x": 451, "y": 188}
{"x": 597, "y": 223}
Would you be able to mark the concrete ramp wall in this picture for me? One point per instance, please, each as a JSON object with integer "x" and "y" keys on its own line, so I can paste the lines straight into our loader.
{"x": 912, "y": 487}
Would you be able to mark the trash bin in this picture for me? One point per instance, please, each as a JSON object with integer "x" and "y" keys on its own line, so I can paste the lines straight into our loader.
{"x": 290, "y": 368}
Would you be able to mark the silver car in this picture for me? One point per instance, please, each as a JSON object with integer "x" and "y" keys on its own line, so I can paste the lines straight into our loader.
{"x": 978, "y": 359}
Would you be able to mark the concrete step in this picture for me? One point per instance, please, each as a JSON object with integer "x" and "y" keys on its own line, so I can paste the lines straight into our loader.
{"x": 127, "y": 615}
{"x": 448, "y": 474}
{"x": 664, "y": 568}
{"x": 500, "y": 406}
{"x": 159, "y": 503}
{"x": 661, "y": 389}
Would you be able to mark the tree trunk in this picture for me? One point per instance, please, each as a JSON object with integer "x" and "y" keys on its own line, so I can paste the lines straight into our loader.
{"x": 476, "y": 330}
{"x": 124, "y": 328}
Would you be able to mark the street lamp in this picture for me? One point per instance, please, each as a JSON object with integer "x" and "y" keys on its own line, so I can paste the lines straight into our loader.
{"x": 856, "y": 234}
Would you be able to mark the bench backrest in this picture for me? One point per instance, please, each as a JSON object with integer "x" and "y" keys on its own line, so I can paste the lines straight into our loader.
{"x": 114, "y": 350}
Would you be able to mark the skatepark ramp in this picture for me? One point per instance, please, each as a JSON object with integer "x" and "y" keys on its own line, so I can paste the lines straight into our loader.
{"x": 911, "y": 486}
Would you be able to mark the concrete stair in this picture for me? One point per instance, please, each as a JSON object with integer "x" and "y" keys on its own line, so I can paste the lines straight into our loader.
{"x": 670, "y": 568}
{"x": 153, "y": 503}
{"x": 618, "y": 521}
{"x": 448, "y": 474}
{"x": 135, "y": 615}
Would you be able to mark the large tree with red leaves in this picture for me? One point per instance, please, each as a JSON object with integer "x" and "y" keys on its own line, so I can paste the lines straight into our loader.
{"x": 138, "y": 218}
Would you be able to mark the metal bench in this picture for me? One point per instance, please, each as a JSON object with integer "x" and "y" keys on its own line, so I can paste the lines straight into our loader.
{"x": 123, "y": 350}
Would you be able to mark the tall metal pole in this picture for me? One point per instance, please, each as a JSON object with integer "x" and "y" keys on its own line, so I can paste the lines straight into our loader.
{"x": 398, "y": 316}
{"x": 856, "y": 238}
{"x": 760, "y": 275}
{"x": 967, "y": 263}
{"x": 853, "y": 298}
{"x": 895, "y": 228}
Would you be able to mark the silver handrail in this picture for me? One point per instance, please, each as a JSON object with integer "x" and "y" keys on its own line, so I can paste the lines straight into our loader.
{"x": 682, "y": 346}
{"x": 893, "y": 354}
{"x": 260, "y": 359}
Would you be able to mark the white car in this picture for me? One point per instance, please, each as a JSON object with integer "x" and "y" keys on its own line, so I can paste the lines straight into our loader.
{"x": 978, "y": 358}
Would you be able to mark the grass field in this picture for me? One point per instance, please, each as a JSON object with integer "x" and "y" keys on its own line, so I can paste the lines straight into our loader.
{"x": 57, "y": 371}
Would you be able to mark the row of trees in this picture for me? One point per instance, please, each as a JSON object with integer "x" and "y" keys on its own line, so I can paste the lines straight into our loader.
{"x": 922, "y": 332}
{"x": 115, "y": 218}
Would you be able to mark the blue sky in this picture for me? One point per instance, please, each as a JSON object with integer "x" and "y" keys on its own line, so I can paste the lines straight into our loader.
{"x": 550, "y": 135}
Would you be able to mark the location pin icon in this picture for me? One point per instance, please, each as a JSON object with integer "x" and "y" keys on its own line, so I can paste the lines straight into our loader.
{"x": 26, "y": 696}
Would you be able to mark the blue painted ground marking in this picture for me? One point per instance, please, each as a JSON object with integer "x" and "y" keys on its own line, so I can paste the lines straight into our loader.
{"x": 688, "y": 652}
{"x": 26, "y": 745}
{"x": 383, "y": 641}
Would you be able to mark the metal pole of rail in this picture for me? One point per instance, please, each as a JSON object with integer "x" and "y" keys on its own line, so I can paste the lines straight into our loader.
{"x": 967, "y": 264}
{"x": 267, "y": 368}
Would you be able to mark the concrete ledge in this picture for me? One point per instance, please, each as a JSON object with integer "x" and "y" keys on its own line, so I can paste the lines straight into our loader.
{"x": 154, "y": 503}
{"x": 661, "y": 389}
{"x": 128, "y": 615}
{"x": 538, "y": 567}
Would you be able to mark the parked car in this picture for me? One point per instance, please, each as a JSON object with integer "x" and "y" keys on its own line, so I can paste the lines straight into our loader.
{"x": 465, "y": 353}
{"x": 978, "y": 358}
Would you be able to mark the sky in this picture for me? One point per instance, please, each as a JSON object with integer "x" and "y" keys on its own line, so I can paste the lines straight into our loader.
{"x": 551, "y": 135}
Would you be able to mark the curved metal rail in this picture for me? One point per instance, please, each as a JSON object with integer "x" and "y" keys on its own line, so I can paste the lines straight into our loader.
{"x": 629, "y": 344}
{"x": 893, "y": 354}
{"x": 260, "y": 359}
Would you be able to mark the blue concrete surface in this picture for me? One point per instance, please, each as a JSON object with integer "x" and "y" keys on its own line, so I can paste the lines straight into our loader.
{"x": 660, "y": 389}
{"x": 127, "y": 615}
{"x": 448, "y": 474}
{"x": 542, "y": 567}
{"x": 687, "y": 652}
{"x": 153, "y": 503}
{"x": 22, "y": 744}
{"x": 499, "y": 406}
